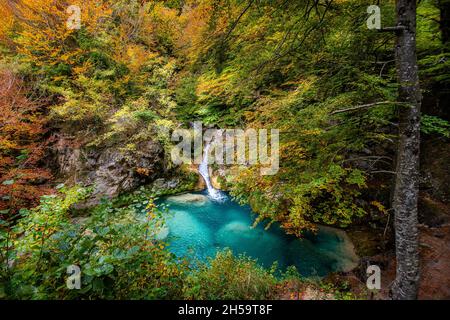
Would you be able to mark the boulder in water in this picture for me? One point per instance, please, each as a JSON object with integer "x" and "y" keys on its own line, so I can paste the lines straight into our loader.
{"x": 343, "y": 251}
{"x": 189, "y": 198}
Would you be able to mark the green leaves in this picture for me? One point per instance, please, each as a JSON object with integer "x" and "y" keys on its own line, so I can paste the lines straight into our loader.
{"x": 111, "y": 247}
{"x": 8, "y": 182}
{"x": 435, "y": 125}
{"x": 230, "y": 277}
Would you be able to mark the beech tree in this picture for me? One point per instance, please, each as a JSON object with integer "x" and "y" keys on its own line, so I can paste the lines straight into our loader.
{"x": 407, "y": 174}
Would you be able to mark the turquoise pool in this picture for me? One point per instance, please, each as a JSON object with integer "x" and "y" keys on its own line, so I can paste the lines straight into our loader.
{"x": 198, "y": 227}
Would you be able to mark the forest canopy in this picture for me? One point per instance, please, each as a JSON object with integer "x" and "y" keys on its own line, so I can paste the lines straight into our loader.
{"x": 133, "y": 66}
{"x": 132, "y": 69}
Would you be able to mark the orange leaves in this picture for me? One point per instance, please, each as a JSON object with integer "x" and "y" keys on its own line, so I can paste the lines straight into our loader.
{"x": 51, "y": 17}
{"x": 143, "y": 172}
{"x": 7, "y": 22}
{"x": 40, "y": 31}
{"x": 134, "y": 56}
{"x": 194, "y": 23}
{"x": 83, "y": 68}
{"x": 21, "y": 147}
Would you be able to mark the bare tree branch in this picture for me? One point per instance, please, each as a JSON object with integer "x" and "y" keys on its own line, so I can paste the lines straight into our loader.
{"x": 365, "y": 106}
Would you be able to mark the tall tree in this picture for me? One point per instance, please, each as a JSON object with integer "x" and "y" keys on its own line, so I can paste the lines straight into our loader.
{"x": 444, "y": 8}
{"x": 406, "y": 184}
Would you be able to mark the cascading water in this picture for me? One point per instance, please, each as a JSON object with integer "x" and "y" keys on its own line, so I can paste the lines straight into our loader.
{"x": 204, "y": 171}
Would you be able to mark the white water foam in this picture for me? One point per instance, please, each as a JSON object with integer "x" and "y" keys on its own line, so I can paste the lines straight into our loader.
{"x": 213, "y": 193}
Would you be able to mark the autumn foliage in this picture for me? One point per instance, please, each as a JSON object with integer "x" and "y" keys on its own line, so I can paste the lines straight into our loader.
{"x": 21, "y": 146}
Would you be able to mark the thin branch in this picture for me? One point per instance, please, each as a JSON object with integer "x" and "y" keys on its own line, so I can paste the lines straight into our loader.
{"x": 375, "y": 158}
{"x": 384, "y": 65}
{"x": 392, "y": 29}
{"x": 384, "y": 171}
{"x": 387, "y": 225}
{"x": 364, "y": 106}
{"x": 235, "y": 23}
{"x": 277, "y": 55}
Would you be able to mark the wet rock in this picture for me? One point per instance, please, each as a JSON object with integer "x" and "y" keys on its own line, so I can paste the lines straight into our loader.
{"x": 163, "y": 184}
{"x": 110, "y": 170}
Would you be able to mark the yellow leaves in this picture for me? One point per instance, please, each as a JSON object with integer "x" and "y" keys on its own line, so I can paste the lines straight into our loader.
{"x": 292, "y": 151}
{"x": 67, "y": 56}
{"x": 164, "y": 22}
{"x": 209, "y": 86}
{"x": 134, "y": 56}
{"x": 137, "y": 56}
{"x": 312, "y": 132}
{"x": 306, "y": 84}
{"x": 151, "y": 205}
{"x": 94, "y": 13}
{"x": 43, "y": 37}
{"x": 299, "y": 214}
{"x": 75, "y": 109}
{"x": 379, "y": 206}
{"x": 6, "y": 144}
{"x": 82, "y": 69}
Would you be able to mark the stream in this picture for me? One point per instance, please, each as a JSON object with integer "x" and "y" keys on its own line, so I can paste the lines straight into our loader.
{"x": 202, "y": 223}
{"x": 198, "y": 227}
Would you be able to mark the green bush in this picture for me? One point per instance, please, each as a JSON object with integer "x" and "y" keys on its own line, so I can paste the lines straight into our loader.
{"x": 229, "y": 277}
{"x": 115, "y": 249}
{"x": 118, "y": 255}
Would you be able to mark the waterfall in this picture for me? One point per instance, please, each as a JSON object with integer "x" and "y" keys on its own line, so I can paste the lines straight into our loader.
{"x": 204, "y": 171}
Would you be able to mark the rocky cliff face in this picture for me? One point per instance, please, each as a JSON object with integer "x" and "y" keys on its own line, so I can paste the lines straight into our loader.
{"x": 110, "y": 171}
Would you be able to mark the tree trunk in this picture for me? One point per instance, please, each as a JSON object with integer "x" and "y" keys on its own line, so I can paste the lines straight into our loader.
{"x": 444, "y": 8}
{"x": 406, "y": 184}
